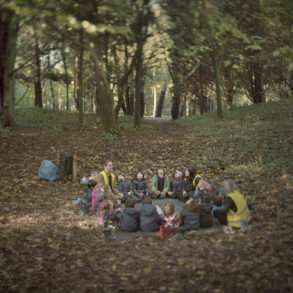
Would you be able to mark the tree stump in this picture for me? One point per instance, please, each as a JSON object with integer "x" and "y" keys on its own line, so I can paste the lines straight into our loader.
{"x": 68, "y": 167}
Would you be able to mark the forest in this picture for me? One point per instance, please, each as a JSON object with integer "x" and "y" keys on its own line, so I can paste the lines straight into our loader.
{"x": 201, "y": 88}
{"x": 144, "y": 58}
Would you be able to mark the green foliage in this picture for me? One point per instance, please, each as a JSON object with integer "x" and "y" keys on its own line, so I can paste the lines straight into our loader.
{"x": 251, "y": 135}
{"x": 35, "y": 117}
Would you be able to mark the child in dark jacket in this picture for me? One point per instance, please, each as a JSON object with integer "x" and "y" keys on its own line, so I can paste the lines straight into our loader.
{"x": 188, "y": 184}
{"x": 85, "y": 201}
{"x": 204, "y": 195}
{"x": 176, "y": 185}
{"x": 139, "y": 187}
{"x": 124, "y": 188}
{"x": 189, "y": 216}
{"x": 129, "y": 217}
{"x": 150, "y": 220}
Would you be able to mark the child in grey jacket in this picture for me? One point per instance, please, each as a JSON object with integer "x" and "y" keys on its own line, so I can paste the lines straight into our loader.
{"x": 150, "y": 220}
{"x": 124, "y": 188}
{"x": 129, "y": 217}
{"x": 139, "y": 187}
{"x": 189, "y": 216}
{"x": 176, "y": 185}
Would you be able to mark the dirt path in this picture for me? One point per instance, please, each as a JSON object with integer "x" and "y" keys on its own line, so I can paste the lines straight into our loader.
{"x": 46, "y": 246}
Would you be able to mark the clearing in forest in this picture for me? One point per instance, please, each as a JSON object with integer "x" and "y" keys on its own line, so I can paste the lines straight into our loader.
{"x": 47, "y": 246}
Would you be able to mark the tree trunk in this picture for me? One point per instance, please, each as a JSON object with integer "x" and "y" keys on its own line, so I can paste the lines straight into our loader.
{"x": 202, "y": 99}
{"x": 183, "y": 108}
{"x": 67, "y": 81}
{"x": 290, "y": 82}
{"x": 141, "y": 35}
{"x": 218, "y": 82}
{"x": 176, "y": 100}
{"x": 8, "y": 36}
{"x": 52, "y": 92}
{"x": 10, "y": 61}
{"x": 106, "y": 39}
{"x": 154, "y": 90}
{"x": 124, "y": 101}
{"x": 120, "y": 103}
{"x": 142, "y": 100}
{"x": 104, "y": 98}
{"x": 229, "y": 87}
{"x": 138, "y": 83}
{"x": 203, "y": 104}
{"x": 160, "y": 103}
{"x": 37, "y": 74}
{"x": 258, "y": 92}
{"x": 80, "y": 76}
{"x": 193, "y": 106}
{"x": 129, "y": 98}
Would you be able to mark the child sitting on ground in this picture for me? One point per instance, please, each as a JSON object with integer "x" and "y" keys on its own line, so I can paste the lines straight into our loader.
{"x": 189, "y": 217}
{"x": 170, "y": 221}
{"x": 176, "y": 185}
{"x": 85, "y": 202}
{"x": 204, "y": 194}
{"x": 124, "y": 188}
{"x": 139, "y": 187}
{"x": 160, "y": 185}
{"x": 188, "y": 184}
{"x": 203, "y": 190}
{"x": 129, "y": 217}
{"x": 150, "y": 219}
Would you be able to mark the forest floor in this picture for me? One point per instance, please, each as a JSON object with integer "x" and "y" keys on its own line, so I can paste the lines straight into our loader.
{"x": 47, "y": 246}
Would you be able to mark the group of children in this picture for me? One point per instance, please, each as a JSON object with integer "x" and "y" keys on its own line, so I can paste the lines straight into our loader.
{"x": 115, "y": 203}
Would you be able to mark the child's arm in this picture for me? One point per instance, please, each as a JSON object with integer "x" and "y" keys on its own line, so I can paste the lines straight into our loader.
{"x": 181, "y": 218}
{"x": 134, "y": 190}
{"x": 145, "y": 188}
{"x": 159, "y": 211}
{"x": 177, "y": 221}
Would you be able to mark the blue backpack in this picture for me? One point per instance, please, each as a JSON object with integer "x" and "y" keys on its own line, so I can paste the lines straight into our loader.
{"x": 49, "y": 171}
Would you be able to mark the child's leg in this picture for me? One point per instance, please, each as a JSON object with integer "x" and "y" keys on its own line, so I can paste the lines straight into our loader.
{"x": 154, "y": 195}
{"x": 183, "y": 229}
{"x": 220, "y": 216}
{"x": 125, "y": 197}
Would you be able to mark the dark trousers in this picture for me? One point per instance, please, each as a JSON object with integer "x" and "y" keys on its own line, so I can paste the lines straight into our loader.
{"x": 221, "y": 216}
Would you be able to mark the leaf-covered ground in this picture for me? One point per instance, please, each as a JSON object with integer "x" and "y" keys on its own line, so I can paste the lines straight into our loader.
{"x": 47, "y": 246}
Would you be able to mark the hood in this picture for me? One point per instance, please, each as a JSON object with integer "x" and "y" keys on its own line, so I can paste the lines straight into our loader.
{"x": 148, "y": 210}
{"x": 131, "y": 211}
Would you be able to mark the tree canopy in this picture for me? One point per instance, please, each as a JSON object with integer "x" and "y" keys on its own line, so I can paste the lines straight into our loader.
{"x": 103, "y": 56}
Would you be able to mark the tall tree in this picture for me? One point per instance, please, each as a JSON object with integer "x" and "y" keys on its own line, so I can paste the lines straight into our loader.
{"x": 8, "y": 34}
{"x": 141, "y": 34}
{"x": 80, "y": 70}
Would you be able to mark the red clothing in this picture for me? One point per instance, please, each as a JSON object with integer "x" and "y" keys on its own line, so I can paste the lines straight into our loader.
{"x": 169, "y": 227}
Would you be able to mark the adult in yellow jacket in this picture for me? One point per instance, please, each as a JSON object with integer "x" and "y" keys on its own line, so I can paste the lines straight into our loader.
{"x": 235, "y": 212}
{"x": 107, "y": 178}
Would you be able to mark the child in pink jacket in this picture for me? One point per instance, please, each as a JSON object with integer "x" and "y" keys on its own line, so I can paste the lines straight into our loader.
{"x": 97, "y": 197}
